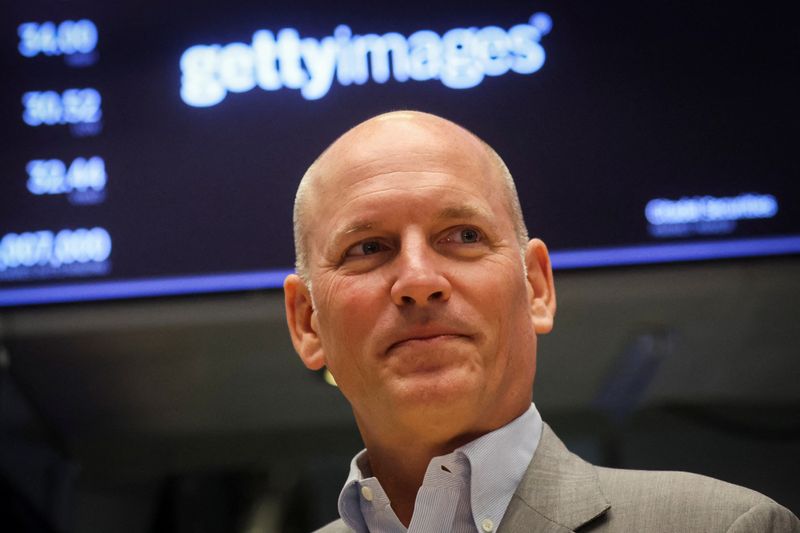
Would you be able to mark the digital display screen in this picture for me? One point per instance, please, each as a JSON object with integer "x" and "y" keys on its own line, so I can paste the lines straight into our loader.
{"x": 154, "y": 148}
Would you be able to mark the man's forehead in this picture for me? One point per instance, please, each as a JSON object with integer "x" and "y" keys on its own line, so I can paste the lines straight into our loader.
{"x": 462, "y": 211}
{"x": 400, "y": 144}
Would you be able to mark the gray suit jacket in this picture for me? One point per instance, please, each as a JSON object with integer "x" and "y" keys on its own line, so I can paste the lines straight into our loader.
{"x": 561, "y": 492}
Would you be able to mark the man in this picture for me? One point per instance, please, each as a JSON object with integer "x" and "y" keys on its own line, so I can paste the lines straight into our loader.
{"x": 418, "y": 288}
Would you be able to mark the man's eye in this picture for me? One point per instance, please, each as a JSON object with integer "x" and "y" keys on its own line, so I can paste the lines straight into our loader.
{"x": 365, "y": 248}
{"x": 470, "y": 235}
{"x": 464, "y": 236}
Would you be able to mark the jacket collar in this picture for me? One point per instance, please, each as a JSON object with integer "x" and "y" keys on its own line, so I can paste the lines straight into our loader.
{"x": 559, "y": 492}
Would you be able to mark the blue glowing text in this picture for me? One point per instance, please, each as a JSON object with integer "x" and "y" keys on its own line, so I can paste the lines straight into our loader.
{"x": 710, "y": 209}
{"x": 73, "y": 106}
{"x": 46, "y": 248}
{"x": 460, "y": 58}
{"x": 51, "y": 39}
{"x": 52, "y": 176}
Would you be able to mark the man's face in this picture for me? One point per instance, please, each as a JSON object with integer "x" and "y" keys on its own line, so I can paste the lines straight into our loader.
{"x": 421, "y": 304}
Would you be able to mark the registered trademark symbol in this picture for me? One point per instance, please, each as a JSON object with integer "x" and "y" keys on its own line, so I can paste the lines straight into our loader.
{"x": 542, "y": 22}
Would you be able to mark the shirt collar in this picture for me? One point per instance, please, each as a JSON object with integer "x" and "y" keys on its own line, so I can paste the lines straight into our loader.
{"x": 498, "y": 461}
{"x": 349, "y": 504}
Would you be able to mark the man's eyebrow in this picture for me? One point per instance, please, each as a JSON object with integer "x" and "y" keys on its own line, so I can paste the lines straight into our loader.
{"x": 357, "y": 227}
{"x": 461, "y": 212}
{"x": 340, "y": 235}
{"x": 352, "y": 228}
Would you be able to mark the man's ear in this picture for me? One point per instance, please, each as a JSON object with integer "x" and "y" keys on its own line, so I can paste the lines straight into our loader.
{"x": 302, "y": 322}
{"x": 543, "y": 290}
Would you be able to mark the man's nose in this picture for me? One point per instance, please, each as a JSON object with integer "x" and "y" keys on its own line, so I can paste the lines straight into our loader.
{"x": 420, "y": 280}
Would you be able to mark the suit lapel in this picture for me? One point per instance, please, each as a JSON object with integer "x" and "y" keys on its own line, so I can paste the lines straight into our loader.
{"x": 559, "y": 492}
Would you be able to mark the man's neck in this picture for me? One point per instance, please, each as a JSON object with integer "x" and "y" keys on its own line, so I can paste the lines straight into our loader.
{"x": 400, "y": 456}
{"x": 402, "y": 471}
{"x": 400, "y": 465}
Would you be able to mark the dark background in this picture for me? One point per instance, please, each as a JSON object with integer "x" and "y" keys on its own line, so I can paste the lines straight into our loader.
{"x": 635, "y": 101}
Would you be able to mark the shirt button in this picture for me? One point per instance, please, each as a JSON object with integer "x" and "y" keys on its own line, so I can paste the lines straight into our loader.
{"x": 487, "y": 525}
{"x": 366, "y": 492}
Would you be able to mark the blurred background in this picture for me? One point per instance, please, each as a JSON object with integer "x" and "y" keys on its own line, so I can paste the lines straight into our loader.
{"x": 151, "y": 152}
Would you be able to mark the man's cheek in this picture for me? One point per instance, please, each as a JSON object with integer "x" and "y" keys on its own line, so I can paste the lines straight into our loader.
{"x": 323, "y": 297}
{"x": 359, "y": 296}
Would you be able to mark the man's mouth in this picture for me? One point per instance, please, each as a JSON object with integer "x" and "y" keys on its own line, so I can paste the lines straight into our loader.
{"x": 425, "y": 340}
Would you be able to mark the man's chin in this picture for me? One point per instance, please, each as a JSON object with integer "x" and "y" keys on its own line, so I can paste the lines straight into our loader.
{"x": 440, "y": 390}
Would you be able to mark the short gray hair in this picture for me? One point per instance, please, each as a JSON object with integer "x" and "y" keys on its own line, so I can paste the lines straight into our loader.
{"x": 299, "y": 218}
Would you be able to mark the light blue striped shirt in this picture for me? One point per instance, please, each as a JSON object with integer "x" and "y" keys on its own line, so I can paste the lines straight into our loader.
{"x": 467, "y": 490}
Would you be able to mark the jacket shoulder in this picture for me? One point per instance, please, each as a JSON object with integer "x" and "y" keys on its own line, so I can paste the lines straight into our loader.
{"x": 649, "y": 500}
{"x": 766, "y": 517}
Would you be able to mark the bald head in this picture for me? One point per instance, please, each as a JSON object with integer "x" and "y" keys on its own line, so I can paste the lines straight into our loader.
{"x": 395, "y": 138}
